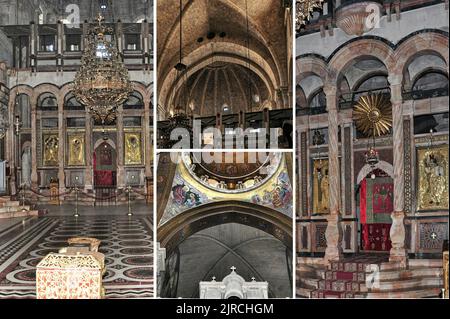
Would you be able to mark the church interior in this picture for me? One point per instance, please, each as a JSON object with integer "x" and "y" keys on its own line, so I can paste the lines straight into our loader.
{"x": 220, "y": 212}
{"x": 227, "y": 65}
{"x": 76, "y": 121}
{"x": 224, "y": 149}
{"x": 372, "y": 149}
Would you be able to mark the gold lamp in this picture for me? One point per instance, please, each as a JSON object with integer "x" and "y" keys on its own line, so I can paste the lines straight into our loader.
{"x": 102, "y": 83}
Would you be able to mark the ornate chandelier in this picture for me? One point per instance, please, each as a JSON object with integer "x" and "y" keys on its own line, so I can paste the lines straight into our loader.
{"x": 303, "y": 11}
{"x": 102, "y": 83}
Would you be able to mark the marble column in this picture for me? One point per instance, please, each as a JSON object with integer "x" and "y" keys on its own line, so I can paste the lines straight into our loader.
{"x": 11, "y": 144}
{"x": 34, "y": 160}
{"x": 61, "y": 144}
{"x": 333, "y": 233}
{"x": 120, "y": 151}
{"x": 147, "y": 140}
{"x": 89, "y": 145}
{"x": 397, "y": 233}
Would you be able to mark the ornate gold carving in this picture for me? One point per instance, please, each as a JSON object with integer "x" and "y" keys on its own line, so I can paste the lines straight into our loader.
{"x": 51, "y": 145}
{"x": 320, "y": 186}
{"x": 76, "y": 149}
{"x": 433, "y": 178}
{"x": 373, "y": 114}
{"x": 133, "y": 154}
{"x": 53, "y": 260}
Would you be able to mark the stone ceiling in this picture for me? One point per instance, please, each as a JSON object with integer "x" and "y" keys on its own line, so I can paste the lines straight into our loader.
{"x": 267, "y": 38}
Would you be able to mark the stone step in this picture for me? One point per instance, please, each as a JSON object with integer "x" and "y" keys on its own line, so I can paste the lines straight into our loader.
{"x": 327, "y": 294}
{"x": 431, "y": 292}
{"x": 411, "y": 284}
{"x": 342, "y": 286}
{"x": 303, "y": 292}
{"x": 414, "y": 263}
{"x": 344, "y": 275}
{"x": 11, "y": 203}
{"x": 311, "y": 261}
{"x": 309, "y": 282}
{"x": 21, "y": 214}
{"x": 11, "y": 209}
{"x": 398, "y": 275}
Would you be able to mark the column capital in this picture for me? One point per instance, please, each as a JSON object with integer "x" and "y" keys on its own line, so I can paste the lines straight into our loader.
{"x": 395, "y": 79}
{"x": 329, "y": 89}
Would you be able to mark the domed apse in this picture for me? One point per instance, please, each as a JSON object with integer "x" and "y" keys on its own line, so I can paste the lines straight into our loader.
{"x": 222, "y": 88}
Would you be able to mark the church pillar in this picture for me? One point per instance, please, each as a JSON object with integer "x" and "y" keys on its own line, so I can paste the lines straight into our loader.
{"x": 147, "y": 140}
{"x": 120, "y": 149}
{"x": 333, "y": 233}
{"x": 61, "y": 144}
{"x": 88, "y": 174}
{"x": 11, "y": 144}
{"x": 397, "y": 233}
{"x": 34, "y": 174}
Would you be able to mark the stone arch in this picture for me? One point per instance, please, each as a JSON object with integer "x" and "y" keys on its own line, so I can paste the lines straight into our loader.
{"x": 100, "y": 141}
{"x": 45, "y": 88}
{"x": 237, "y": 13}
{"x": 382, "y": 165}
{"x": 429, "y": 42}
{"x": 353, "y": 50}
{"x": 366, "y": 77}
{"x": 180, "y": 227}
{"x": 308, "y": 65}
{"x": 171, "y": 83}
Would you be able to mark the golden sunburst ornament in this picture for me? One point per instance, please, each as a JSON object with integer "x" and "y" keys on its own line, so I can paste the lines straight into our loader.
{"x": 373, "y": 114}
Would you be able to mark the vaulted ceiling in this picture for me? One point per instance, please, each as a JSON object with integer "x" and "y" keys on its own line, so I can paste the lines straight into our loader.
{"x": 218, "y": 28}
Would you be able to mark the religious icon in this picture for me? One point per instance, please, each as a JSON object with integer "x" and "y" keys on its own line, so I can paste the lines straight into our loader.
{"x": 51, "y": 145}
{"x": 433, "y": 178}
{"x": 133, "y": 154}
{"x": 320, "y": 186}
{"x": 76, "y": 149}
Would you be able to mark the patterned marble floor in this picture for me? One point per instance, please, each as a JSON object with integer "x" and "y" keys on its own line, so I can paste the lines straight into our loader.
{"x": 126, "y": 242}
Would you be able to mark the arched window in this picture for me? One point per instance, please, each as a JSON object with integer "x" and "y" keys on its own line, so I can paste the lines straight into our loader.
{"x": 135, "y": 101}
{"x": 71, "y": 103}
{"x": 430, "y": 84}
{"x": 373, "y": 84}
{"x": 318, "y": 102}
{"x": 47, "y": 102}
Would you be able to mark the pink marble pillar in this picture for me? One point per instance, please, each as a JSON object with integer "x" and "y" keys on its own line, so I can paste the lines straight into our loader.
{"x": 34, "y": 174}
{"x": 148, "y": 147}
{"x": 120, "y": 149}
{"x": 89, "y": 170}
{"x": 61, "y": 144}
{"x": 333, "y": 233}
{"x": 398, "y": 252}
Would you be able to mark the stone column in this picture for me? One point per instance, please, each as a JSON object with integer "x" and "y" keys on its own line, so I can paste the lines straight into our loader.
{"x": 397, "y": 233}
{"x": 11, "y": 144}
{"x": 120, "y": 149}
{"x": 34, "y": 174}
{"x": 89, "y": 145}
{"x": 147, "y": 140}
{"x": 333, "y": 234}
{"x": 61, "y": 144}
